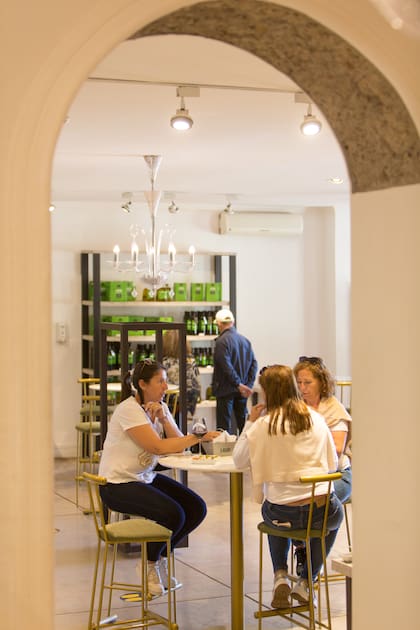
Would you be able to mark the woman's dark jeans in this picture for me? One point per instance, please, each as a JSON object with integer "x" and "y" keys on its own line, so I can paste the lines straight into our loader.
{"x": 165, "y": 501}
{"x": 296, "y": 517}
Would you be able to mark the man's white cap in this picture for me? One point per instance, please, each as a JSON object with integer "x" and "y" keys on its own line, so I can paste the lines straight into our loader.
{"x": 225, "y": 316}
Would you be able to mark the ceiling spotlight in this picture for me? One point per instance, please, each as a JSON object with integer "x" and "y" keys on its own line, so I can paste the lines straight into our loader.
{"x": 335, "y": 180}
{"x": 127, "y": 201}
{"x": 173, "y": 208}
{"x": 51, "y": 207}
{"x": 182, "y": 120}
{"x": 311, "y": 125}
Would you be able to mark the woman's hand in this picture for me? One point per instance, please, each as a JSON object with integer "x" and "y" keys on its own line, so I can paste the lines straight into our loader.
{"x": 210, "y": 435}
{"x": 256, "y": 412}
{"x": 155, "y": 411}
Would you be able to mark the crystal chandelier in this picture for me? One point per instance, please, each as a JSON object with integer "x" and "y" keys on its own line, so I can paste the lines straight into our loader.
{"x": 154, "y": 271}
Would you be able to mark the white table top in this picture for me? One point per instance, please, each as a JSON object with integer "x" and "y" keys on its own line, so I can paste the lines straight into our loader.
{"x": 345, "y": 568}
{"x": 184, "y": 461}
{"x": 116, "y": 387}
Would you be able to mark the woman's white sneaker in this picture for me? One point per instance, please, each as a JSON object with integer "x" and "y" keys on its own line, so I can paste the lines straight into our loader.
{"x": 300, "y": 592}
{"x": 163, "y": 570}
{"x": 281, "y": 590}
{"x": 155, "y": 587}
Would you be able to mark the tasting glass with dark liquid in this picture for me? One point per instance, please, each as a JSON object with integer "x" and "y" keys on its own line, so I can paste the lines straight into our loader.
{"x": 199, "y": 428}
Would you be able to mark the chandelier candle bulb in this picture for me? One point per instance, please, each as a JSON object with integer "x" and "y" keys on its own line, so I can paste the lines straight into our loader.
{"x": 116, "y": 251}
{"x": 171, "y": 252}
{"x": 135, "y": 253}
{"x": 191, "y": 252}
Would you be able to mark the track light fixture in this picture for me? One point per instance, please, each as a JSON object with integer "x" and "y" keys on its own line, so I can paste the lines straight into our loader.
{"x": 311, "y": 124}
{"x": 182, "y": 120}
{"x": 228, "y": 208}
{"x": 173, "y": 208}
{"x": 127, "y": 202}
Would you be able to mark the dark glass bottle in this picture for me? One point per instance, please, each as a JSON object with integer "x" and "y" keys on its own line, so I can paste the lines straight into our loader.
{"x": 131, "y": 357}
{"x": 194, "y": 324}
{"x": 215, "y": 328}
{"x": 202, "y": 323}
{"x": 209, "y": 328}
{"x": 111, "y": 358}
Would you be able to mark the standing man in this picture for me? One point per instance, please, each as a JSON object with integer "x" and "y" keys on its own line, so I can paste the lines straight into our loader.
{"x": 234, "y": 372}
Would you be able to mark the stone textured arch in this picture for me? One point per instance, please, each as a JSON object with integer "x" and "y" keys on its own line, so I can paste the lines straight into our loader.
{"x": 379, "y": 140}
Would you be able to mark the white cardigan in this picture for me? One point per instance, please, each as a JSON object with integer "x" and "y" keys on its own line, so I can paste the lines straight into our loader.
{"x": 278, "y": 461}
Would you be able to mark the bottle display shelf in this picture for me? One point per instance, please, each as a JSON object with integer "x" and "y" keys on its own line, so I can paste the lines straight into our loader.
{"x": 146, "y": 304}
{"x": 151, "y": 338}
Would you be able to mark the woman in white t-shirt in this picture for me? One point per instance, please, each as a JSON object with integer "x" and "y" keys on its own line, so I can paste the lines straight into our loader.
{"x": 140, "y": 430}
{"x": 283, "y": 440}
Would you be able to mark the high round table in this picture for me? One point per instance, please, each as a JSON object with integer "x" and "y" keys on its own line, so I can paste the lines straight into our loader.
{"x": 184, "y": 461}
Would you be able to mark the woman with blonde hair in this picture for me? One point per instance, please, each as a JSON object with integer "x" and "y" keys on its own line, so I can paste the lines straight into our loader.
{"x": 283, "y": 440}
{"x": 317, "y": 387}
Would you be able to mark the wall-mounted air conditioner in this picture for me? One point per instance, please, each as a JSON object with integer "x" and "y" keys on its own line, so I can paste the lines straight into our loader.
{"x": 261, "y": 223}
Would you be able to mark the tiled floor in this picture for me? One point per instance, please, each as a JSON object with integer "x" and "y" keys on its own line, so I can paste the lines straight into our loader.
{"x": 204, "y": 567}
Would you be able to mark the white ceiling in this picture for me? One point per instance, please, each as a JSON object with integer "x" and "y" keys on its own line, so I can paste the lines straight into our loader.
{"x": 245, "y": 145}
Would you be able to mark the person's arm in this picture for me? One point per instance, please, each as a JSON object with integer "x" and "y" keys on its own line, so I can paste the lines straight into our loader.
{"x": 147, "y": 438}
{"x": 340, "y": 439}
{"x": 252, "y": 372}
{"x": 240, "y": 453}
{"x": 331, "y": 454}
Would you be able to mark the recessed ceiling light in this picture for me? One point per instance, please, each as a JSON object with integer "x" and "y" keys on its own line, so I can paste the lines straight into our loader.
{"x": 335, "y": 180}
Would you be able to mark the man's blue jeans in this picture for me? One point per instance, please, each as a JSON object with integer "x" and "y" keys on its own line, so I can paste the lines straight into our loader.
{"x": 226, "y": 406}
{"x": 297, "y": 517}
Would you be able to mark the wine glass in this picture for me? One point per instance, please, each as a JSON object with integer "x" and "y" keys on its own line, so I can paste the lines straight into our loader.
{"x": 199, "y": 428}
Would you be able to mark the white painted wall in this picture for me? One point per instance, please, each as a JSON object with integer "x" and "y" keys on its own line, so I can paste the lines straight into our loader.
{"x": 286, "y": 289}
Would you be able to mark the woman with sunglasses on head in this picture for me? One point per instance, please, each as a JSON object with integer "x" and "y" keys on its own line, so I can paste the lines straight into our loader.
{"x": 283, "y": 440}
{"x": 142, "y": 429}
{"x": 317, "y": 386}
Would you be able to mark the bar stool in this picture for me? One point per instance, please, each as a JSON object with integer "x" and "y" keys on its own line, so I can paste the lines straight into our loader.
{"x": 344, "y": 391}
{"x": 88, "y": 430}
{"x": 171, "y": 399}
{"x": 337, "y": 577}
{"x": 305, "y": 611}
{"x": 137, "y": 531}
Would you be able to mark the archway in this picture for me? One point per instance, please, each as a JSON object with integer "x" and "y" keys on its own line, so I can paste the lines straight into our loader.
{"x": 57, "y": 71}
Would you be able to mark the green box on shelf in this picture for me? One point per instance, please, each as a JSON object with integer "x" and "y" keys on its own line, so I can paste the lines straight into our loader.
{"x": 104, "y": 290}
{"x": 180, "y": 292}
{"x": 108, "y": 318}
{"x": 136, "y": 319}
{"x": 166, "y": 319}
{"x": 129, "y": 287}
{"x": 213, "y": 291}
{"x": 117, "y": 291}
{"x": 198, "y": 292}
{"x": 121, "y": 319}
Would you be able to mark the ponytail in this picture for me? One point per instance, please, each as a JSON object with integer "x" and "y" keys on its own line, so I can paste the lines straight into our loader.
{"x": 126, "y": 386}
